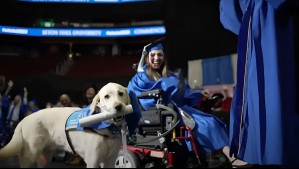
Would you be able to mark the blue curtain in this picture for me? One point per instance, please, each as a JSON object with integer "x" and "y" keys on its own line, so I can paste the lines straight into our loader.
{"x": 217, "y": 70}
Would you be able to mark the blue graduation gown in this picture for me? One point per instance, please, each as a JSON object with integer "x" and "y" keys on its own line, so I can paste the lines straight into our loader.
{"x": 263, "y": 120}
{"x": 132, "y": 119}
{"x": 210, "y": 133}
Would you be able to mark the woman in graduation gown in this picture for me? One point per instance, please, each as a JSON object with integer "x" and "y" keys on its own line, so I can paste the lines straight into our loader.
{"x": 211, "y": 133}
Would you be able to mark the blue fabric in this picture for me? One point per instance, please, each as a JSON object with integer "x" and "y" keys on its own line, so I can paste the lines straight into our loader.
{"x": 217, "y": 70}
{"x": 210, "y": 133}
{"x": 35, "y": 109}
{"x": 263, "y": 122}
{"x": 132, "y": 119}
{"x": 5, "y": 101}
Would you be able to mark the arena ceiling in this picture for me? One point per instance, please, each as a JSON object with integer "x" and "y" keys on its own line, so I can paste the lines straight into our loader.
{"x": 27, "y": 14}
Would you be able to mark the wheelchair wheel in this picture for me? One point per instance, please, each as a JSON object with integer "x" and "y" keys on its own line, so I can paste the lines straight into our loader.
{"x": 132, "y": 161}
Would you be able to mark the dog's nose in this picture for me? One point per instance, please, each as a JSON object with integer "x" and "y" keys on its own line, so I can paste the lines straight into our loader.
{"x": 118, "y": 107}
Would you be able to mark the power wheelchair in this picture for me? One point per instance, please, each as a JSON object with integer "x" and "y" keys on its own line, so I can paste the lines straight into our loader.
{"x": 160, "y": 141}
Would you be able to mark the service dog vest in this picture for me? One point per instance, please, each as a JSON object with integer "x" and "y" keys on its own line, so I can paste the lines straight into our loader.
{"x": 72, "y": 122}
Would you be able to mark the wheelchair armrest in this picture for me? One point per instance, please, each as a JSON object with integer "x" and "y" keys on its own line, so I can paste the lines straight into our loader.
{"x": 152, "y": 93}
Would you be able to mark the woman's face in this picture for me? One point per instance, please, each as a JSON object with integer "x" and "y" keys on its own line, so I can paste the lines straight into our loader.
{"x": 90, "y": 93}
{"x": 156, "y": 59}
{"x": 17, "y": 99}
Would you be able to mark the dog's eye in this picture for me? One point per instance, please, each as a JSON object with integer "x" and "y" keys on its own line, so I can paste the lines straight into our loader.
{"x": 106, "y": 96}
{"x": 120, "y": 93}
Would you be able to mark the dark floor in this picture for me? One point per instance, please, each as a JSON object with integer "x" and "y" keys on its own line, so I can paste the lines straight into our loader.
{"x": 57, "y": 163}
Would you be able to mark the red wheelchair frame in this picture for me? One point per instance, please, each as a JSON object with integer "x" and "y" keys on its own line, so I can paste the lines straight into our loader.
{"x": 162, "y": 153}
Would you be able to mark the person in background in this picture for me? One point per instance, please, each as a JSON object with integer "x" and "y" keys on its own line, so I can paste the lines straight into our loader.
{"x": 17, "y": 109}
{"x": 65, "y": 101}
{"x": 211, "y": 133}
{"x": 5, "y": 99}
{"x": 32, "y": 107}
{"x": 6, "y": 125}
{"x": 264, "y": 120}
{"x": 90, "y": 93}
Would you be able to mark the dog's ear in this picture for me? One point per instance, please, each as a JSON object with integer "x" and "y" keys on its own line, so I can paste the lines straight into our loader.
{"x": 94, "y": 103}
{"x": 128, "y": 97}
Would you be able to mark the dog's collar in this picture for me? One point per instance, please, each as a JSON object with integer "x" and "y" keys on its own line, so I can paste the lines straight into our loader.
{"x": 114, "y": 129}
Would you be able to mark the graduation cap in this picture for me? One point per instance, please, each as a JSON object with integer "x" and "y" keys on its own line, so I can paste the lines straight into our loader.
{"x": 156, "y": 45}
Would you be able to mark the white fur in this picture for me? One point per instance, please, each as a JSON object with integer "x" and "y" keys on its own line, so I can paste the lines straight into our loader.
{"x": 41, "y": 133}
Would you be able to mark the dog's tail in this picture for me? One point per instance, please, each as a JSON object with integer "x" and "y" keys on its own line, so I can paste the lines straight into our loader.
{"x": 13, "y": 148}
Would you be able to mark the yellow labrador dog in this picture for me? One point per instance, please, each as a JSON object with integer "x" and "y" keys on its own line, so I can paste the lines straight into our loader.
{"x": 41, "y": 133}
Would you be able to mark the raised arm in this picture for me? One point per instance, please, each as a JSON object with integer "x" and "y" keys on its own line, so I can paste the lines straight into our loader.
{"x": 10, "y": 85}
